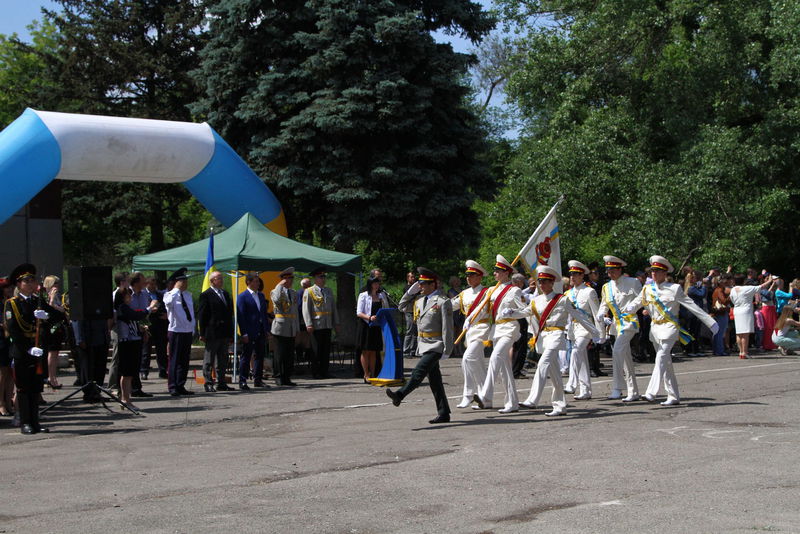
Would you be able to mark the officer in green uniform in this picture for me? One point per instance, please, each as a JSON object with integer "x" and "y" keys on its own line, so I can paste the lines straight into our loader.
{"x": 25, "y": 315}
{"x": 433, "y": 314}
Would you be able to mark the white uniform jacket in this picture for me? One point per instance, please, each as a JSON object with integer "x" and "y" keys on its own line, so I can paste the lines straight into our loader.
{"x": 479, "y": 330}
{"x": 585, "y": 300}
{"x": 552, "y": 335}
{"x": 672, "y": 297}
{"x": 624, "y": 290}
{"x": 319, "y": 308}
{"x": 504, "y": 326}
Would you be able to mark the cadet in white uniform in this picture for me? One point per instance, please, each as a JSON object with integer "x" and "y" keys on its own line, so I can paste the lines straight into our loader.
{"x": 663, "y": 300}
{"x": 584, "y": 298}
{"x": 617, "y": 294}
{"x": 504, "y": 332}
{"x": 548, "y": 315}
{"x": 467, "y": 302}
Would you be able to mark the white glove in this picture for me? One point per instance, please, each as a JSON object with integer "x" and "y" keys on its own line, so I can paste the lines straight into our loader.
{"x": 601, "y": 318}
{"x": 41, "y": 314}
{"x": 607, "y": 321}
{"x": 414, "y": 289}
{"x": 628, "y": 309}
{"x": 466, "y": 326}
{"x": 714, "y": 328}
{"x": 601, "y": 340}
{"x": 506, "y": 312}
{"x": 596, "y": 341}
{"x": 36, "y": 352}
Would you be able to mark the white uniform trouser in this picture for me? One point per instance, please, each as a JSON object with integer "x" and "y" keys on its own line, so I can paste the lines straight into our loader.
{"x": 663, "y": 372}
{"x": 621, "y": 359}
{"x": 500, "y": 366}
{"x": 579, "y": 379}
{"x": 564, "y": 359}
{"x": 548, "y": 366}
{"x": 474, "y": 369}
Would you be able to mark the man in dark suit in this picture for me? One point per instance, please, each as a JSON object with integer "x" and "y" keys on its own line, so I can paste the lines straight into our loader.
{"x": 215, "y": 325}
{"x": 251, "y": 308}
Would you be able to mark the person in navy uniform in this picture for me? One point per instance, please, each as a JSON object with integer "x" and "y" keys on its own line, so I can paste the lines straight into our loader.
{"x": 215, "y": 326}
{"x": 433, "y": 315}
{"x": 252, "y": 309}
{"x": 25, "y": 315}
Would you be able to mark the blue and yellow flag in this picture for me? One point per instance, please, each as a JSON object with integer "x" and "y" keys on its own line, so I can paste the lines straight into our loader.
{"x": 209, "y": 260}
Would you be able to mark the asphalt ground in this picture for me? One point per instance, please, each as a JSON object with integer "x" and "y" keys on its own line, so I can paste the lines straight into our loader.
{"x": 334, "y": 456}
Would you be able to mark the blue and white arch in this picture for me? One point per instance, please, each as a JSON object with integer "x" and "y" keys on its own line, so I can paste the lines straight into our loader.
{"x": 40, "y": 146}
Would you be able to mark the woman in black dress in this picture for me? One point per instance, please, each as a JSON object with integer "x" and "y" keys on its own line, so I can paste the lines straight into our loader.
{"x": 370, "y": 338}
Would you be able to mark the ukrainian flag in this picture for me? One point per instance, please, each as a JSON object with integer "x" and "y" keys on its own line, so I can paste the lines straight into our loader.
{"x": 209, "y": 260}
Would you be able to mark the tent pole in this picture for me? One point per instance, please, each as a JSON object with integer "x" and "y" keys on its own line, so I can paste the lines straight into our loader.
{"x": 234, "y": 297}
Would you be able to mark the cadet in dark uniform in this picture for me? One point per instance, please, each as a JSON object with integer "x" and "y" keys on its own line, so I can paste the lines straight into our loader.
{"x": 22, "y": 313}
{"x": 433, "y": 314}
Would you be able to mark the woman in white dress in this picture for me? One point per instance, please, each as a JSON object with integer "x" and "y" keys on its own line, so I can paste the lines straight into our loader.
{"x": 743, "y": 314}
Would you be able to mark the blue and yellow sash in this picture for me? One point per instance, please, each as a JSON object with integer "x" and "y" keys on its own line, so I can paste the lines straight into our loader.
{"x": 622, "y": 320}
{"x": 573, "y": 295}
{"x": 683, "y": 334}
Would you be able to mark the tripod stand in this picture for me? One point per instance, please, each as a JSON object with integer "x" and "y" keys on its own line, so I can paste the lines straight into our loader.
{"x": 88, "y": 387}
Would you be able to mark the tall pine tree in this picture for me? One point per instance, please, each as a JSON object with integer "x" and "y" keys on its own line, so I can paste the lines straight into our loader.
{"x": 354, "y": 115}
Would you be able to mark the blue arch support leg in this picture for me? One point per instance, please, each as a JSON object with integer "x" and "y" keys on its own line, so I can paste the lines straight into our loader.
{"x": 30, "y": 158}
{"x": 227, "y": 187}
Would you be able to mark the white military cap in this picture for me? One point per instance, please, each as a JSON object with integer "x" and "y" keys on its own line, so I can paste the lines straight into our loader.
{"x": 613, "y": 261}
{"x": 502, "y": 264}
{"x": 474, "y": 267}
{"x": 660, "y": 262}
{"x": 545, "y": 272}
{"x": 286, "y": 272}
{"x": 577, "y": 267}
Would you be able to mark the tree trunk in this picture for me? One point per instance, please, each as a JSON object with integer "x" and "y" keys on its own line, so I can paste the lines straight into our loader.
{"x": 346, "y": 307}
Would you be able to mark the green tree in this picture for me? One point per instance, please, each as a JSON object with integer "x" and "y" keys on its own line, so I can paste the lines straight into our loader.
{"x": 23, "y": 80}
{"x": 670, "y": 126}
{"x": 128, "y": 58}
{"x": 354, "y": 115}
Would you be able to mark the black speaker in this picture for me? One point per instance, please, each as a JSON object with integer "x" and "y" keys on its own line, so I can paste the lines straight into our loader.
{"x": 90, "y": 291}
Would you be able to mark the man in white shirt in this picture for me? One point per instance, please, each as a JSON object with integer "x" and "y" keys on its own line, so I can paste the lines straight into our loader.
{"x": 180, "y": 313}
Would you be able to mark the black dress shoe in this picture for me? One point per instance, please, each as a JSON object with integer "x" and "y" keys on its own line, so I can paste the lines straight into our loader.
{"x": 440, "y": 419}
{"x": 162, "y": 375}
{"x": 396, "y": 398}
{"x": 261, "y": 384}
{"x": 477, "y": 400}
{"x": 140, "y": 393}
{"x": 184, "y": 391}
{"x": 244, "y": 387}
{"x": 39, "y": 428}
{"x": 209, "y": 388}
{"x": 27, "y": 429}
{"x": 289, "y": 383}
{"x": 224, "y": 387}
{"x": 174, "y": 394}
{"x": 143, "y": 376}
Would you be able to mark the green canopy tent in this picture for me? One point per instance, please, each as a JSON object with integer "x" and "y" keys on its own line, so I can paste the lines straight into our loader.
{"x": 249, "y": 246}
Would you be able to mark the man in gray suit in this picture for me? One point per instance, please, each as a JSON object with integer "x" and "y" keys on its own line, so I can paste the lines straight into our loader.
{"x": 320, "y": 316}
{"x": 284, "y": 327}
{"x": 433, "y": 315}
